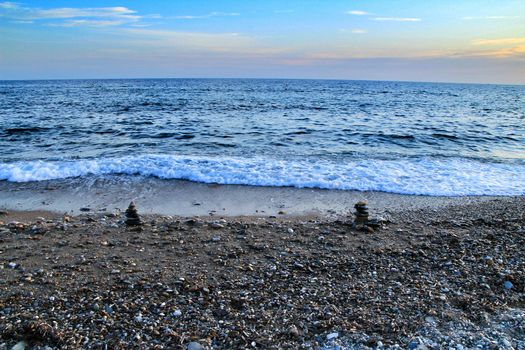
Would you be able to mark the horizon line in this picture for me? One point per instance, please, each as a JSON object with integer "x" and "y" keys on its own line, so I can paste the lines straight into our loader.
{"x": 268, "y": 78}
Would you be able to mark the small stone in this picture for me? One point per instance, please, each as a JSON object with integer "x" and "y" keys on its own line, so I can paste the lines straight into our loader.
{"x": 19, "y": 346}
{"x": 293, "y": 331}
{"x": 12, "y": 265}
{"x": 85, "y": 209}
{"x": 332, "y": 336}
{"x": 506, "y": 343}
{"x": 507, "y": 285}
{"x": 195, "y": 346}
{"x": 290, "y": 230}
{"x": 176, "y": 313}
{"x": 216, "y": 225}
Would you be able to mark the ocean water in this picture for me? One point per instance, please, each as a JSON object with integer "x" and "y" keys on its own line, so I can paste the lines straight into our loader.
{"x": 409, "y": 138}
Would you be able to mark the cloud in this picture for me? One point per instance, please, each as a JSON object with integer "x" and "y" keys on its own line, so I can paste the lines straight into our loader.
{"x": 383, "y": 18}
{"x": 73, "y": 17}
{"x": 209, "y": 15}
{"x": 358, "y": 13}
{"x": 398, "y": 19}
{"x": 85, "y": 22}
{"x": 354, "y": 31}
{"x": 471, "y": 18}
{"x": 499, "y": 42}
{"x": 191, "y": 41}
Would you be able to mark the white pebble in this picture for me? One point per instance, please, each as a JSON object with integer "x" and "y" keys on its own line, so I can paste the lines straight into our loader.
{"x": 176, "y": 313}
{"x": 332, "y": 336}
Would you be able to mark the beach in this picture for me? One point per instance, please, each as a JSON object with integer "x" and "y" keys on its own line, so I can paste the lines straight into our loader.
{"x": 437, "y": 273}
{"x": 244, "y": 231}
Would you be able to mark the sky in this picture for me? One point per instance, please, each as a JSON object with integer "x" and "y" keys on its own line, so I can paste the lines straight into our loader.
{"x": 478, "y": 41}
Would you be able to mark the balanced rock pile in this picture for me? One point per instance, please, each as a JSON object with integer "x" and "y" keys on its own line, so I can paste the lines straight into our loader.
{"x": 361, "y": 213}
{"x": 362, "y": 221}
{"x": 132, "y": 216}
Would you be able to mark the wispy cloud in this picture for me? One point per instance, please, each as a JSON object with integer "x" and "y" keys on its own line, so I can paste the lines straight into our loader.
{"x": 208, "y": 15}
{"x": 354, "y": 31}
{"x": 86, "y": 22}
{"x": 383, "y": 18}
{"x": 215, "y": 42}
{"x": 73, "y": 17}
{"x": 471, "y": 18}
{"x": 398, "y": 19}
{"x": 499, "y": 42}
{"x": 8, "y": 5}
{"x": 358, "y": 13}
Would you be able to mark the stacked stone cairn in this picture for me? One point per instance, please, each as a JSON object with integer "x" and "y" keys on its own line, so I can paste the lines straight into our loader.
{"x": 361, "y": 213}
{"x": 132, "y": 215}
{"x": 362, "y": 221}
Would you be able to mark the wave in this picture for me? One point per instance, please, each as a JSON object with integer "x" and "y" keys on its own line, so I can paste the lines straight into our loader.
{"x": 421, "y": 176}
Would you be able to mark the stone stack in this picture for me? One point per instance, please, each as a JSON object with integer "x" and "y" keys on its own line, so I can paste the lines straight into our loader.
{"x": 361, "y": 213}
{"x": 132, "y": 216}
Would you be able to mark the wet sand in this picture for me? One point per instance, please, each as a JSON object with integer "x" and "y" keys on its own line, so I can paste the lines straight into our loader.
{"x": 185, "y": 198}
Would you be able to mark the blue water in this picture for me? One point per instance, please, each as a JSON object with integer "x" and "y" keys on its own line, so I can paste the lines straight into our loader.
{"x": 412, "y": 138}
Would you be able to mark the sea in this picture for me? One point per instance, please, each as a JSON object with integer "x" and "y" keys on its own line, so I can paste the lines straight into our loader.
{"x": 401, "y": 137}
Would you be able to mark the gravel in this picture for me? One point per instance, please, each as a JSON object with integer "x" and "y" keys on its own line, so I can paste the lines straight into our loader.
{"x": 424, "y": 279}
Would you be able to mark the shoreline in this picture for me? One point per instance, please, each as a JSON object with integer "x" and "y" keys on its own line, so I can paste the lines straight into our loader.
{"x": 430, "y": 276}
{"x": 187, "y": 198}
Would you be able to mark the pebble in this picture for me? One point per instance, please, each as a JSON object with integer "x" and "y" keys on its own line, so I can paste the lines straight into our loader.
{"x": 12, "y": 265}
{"x": 176, "y": 313}
{"x": 332, "y": 336}
{"x": 290, "y": 230}
{"x": 507, "y": 285}
{"x": 293, "y": 331}
{"x": 195, "y": 346}
{"x": 19, "y": 346}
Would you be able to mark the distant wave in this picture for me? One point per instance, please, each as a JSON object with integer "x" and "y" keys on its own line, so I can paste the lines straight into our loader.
{"x": 422, "y": 176}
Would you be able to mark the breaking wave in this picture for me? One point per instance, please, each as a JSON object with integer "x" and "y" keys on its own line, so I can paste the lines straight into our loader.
{"x": 419, "y": 176}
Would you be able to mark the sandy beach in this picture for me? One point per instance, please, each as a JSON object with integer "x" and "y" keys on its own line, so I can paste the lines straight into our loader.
{"x": 438, "y": 273}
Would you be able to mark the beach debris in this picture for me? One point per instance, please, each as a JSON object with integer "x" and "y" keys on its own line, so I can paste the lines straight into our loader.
{"x": 3, "y": 212}
{"x": 361, "y": 213}
{"x": 132, "y": 215}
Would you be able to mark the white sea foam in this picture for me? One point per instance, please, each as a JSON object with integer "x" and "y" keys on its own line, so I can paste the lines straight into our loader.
{"x": 423, "y": 176}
